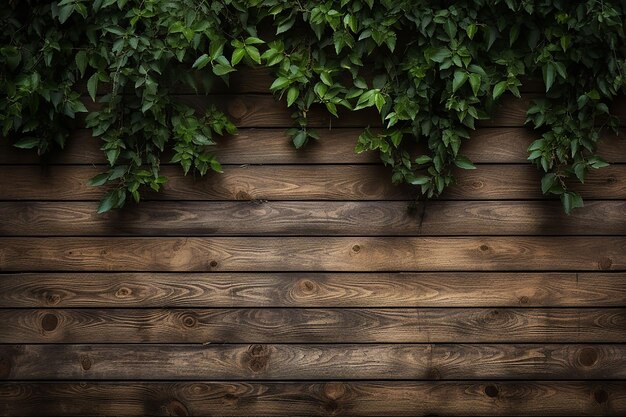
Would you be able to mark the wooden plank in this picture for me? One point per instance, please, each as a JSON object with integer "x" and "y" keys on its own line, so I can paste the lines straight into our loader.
{"x": 336, "y": 146}
{"x": 348, "y": 254}
{"x": 302, "y": 362}
{"x": 199, "y": 290}
{"x": 372, "y": 398}
{"x": 325, "y": 218}
{"x": 255, "y": 110}
{"x": 306, "y": 325}
{"x": 293, "y": 182}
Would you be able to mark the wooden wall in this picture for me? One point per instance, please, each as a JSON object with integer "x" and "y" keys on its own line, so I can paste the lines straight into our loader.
{"x": 300, "y": 282}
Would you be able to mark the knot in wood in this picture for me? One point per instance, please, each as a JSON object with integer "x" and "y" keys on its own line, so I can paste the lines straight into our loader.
{"x": 85, "y": 362}
{"x": 356, "y": 248}
{"x": 123, "y": 292}
{"x": 53, "y": 299}
{"x": 175, "y": 408}
{"x": 491, "y": 391}
{"x": 257, "y": 357}
{"x": 213, "y": 264}
{"x": 306, "y": 286}
{"x": 484, "y": 248}
{"x": 188, "y": 320}
{"x": 588, "y": 356}
{"x": 524, "y": 299}
{"x": 601, "y": 396}
{"x": 242, "y": 195}
{"x": 334, "y": 390}
{"x": 49, "y": 322}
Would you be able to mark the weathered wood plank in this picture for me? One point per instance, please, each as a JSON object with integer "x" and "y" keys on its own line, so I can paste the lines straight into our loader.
{"x": 325, "y": 218}
{"x": 304, "y": 325}
{"x": 370, "y": 398}
{"x": 460, "y": 289}
{"x": 348, "y": 254}
{"x": 336, "y": 146}
{"x": 261, "y": 110}
{"x": 303, "y": 362}
{"x": 293, "y": 182}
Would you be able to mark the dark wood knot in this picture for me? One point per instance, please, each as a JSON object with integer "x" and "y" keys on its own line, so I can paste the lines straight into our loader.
{"x": 213, "y": 264}
{"x": 175, "y": 408}
{"x": 588, "y": 356}
{"x": 53, "y": 299}
{"x": 257, "y": 357}
{"x": 484, "y": 248}
{"x": 356, "y": 248}
{"x": 491, "y": 391}
{"x": 524, "y": 299}
{"x": 601, "y": 396}
{"x": 85, "y": 362}
{"x": 189, "y": 320}
{"x": 49, "y": 322}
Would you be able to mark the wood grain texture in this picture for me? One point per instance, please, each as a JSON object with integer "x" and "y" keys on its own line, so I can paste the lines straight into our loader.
{"x": 308, "y": 218}
{"x": 292, "y": 182}
{"x": 370, "y": 398}
{"x": 261, "y": 110}
{"x": 347, "y": 254}
{"x": 199, "y": 290}
{"x": 305, "y": 325}
{"x": 304, "y": 362}
{"x": 336, "y": 146}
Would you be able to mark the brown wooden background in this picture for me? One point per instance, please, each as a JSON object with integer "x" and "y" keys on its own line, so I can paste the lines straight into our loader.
{"x": 299, "y": 282}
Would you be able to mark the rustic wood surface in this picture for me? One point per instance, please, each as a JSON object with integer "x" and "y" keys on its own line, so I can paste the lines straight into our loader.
{"x": 293, "y": 182}
{"x": 484, "y": 398}
{"x": 313, "y": 289}
{"x": 336, "y": 146}
{"x": 303, "y": 283}
{"x": 312, "y": 254}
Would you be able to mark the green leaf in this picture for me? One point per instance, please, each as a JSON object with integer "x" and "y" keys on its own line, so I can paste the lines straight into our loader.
{"x": 109, "y": 201}
{"x": 475, "y": 80}
{"x": 222, "y": 69}
{"x": 27, "y": 143}
{"x": 81, "y": 62}
{"x": 201, "y": 62}
{"x": 418, "y": 180}
{"x": 279, "y": 83}
{"x": 92, "y": 86}
{"x": 238, "y": 55}
{"x": 571, "y": 201}
{"x": 548, "y": 75}
{"x": 463, "y": 162}
{"x": 547, "y": 182}
{"x": 253, "y": 53}
{"x": 292, "y": 95}
{"x": 299, "y": 139}
{"x": 460, "y": 77}
{"x": 99, "y": 179}
{"x": 499, "y": 89}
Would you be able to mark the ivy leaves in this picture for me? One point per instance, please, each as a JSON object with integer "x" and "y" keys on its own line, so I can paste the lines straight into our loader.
{"x": 431, "y": 72}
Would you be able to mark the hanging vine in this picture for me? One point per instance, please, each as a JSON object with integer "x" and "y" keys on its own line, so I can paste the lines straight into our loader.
{"x": 431, "y": 70}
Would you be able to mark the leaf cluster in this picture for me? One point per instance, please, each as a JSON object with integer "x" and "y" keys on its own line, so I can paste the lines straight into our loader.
{"x": 431, "y": 71}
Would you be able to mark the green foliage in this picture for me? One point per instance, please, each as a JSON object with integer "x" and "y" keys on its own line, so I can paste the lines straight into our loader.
{"x": 430, "y": 69}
